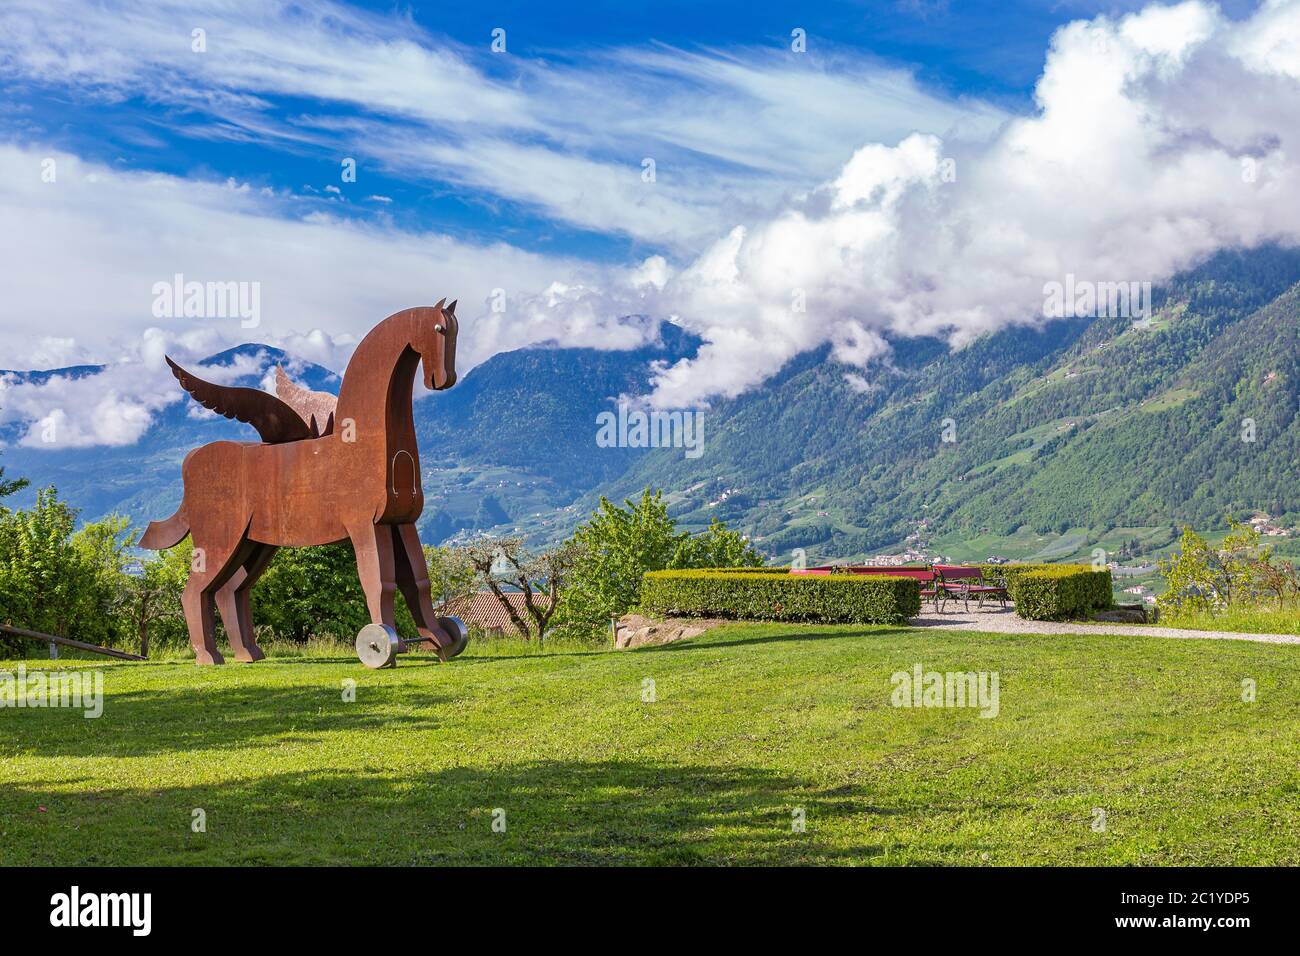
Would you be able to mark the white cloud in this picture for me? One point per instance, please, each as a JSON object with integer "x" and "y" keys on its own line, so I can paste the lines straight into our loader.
{"x": 96, "y": 240}
{"x": 117, "y": 405}
{"x": 1158, "y": 138}
{"x": 860, "y": 384}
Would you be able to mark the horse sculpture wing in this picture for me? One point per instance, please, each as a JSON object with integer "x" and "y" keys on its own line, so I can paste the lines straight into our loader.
{"x": 275, "y": 421}
{"x": 314, "y": 408}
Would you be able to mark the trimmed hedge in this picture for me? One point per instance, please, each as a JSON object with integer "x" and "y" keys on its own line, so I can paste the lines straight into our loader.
{"x": 1059, "y": 591}
{"x": 1012, "y": 571}
{"x": 829, "y": 599}
{"x": 762, "y": 570}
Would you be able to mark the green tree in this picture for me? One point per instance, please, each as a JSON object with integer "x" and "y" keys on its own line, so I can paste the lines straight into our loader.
{"x": 56, "y": 579}
{"x": 542, "y": 578}
{"x": 315, "y": 592}
{"x": 451, "y": 573}
{"x": 1189, "y": 575}
{"x": 620, "y": 544}
{"x": 150, "y": 602}
{"x": 717, "y": 547}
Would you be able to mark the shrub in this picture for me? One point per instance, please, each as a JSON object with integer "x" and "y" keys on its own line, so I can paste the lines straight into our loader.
{"x": 762, "y": 594}
{"x": 1009, "y": 572}
{"x": 621, "y": 544}
{"x": 1059, "y": 591}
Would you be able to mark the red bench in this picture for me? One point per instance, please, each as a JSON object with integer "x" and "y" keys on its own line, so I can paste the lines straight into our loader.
{"x": 967, "y": 583}
{"x": 938, "y": 584}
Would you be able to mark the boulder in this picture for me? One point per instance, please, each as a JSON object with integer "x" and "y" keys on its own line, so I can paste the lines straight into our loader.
{"x": 634, "y": 630}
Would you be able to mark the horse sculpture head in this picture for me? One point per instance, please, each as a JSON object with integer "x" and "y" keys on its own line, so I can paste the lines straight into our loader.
{"x": 435, "y": 339}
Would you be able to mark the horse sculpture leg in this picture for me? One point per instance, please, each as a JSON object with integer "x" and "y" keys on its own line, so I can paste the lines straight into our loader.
{"x": 213, "y": 565}
{"x": 376, "y": 568}
{"x": 232, "y": 601}
{"x": 413, "y": 582}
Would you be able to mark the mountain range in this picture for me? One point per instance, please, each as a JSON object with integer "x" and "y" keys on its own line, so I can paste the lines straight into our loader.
{"x": 1038, "y": 441}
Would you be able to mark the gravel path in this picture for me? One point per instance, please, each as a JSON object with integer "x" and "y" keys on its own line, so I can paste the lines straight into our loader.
{"x": 999, "y": 621}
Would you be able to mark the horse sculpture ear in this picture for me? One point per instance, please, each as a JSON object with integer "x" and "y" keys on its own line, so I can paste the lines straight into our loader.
{"x": 452, "y": 308}
{"x": 440, "y": 302}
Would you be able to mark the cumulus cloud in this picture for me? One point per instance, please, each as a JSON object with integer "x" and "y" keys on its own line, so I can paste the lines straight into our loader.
{"x": 1157, "y": 138}
{"x": 116, "y": 405}
{"x": 95, "y": 241}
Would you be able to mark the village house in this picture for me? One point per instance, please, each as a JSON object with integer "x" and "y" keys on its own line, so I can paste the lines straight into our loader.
{"x": 483, "y": 611}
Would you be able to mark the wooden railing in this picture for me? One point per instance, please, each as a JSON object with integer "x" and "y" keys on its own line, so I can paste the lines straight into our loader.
{"x": 56, "y": 641}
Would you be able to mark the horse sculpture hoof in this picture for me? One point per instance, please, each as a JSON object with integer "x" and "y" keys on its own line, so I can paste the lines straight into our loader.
{"x": 377, "y": 646}
{"x": 460, "y": 635}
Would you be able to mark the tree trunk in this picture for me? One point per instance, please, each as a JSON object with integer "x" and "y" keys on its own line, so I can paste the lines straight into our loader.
{"x": 509, "y": 608}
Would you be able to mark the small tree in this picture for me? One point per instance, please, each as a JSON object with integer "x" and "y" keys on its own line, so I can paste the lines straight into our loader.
{"x": 1277, "y": 580}
{"x": 717, "y": 547}
{"x": 622, "y": 544}
{"x": 1237, "y": 559}
{"x": 150, "y": 602}
{"x": 451, "y": 573}
{"x": 1189, "y": 576}
{"x": 1201, "y": 578}
{"x": 546, "y": 573}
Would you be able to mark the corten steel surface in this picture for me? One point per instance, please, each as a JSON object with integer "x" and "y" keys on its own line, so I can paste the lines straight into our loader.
{"x": 309, "y": 482}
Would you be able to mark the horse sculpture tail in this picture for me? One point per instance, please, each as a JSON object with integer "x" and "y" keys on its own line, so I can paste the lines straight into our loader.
{"x": 166, "y": 533}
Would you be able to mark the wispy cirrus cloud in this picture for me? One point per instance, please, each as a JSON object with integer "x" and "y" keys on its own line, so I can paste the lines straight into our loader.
{"x": 567, "y": 135}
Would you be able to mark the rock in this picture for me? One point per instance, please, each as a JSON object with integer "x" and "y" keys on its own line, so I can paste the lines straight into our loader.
{"x": 633, "y": 630}
{"x": 1122, "y": 615}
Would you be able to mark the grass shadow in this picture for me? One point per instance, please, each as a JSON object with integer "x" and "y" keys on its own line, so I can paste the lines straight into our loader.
{"x": 193, "y": 718}
{"x": 719, "y": 638}
{"x": 567, "y": 812}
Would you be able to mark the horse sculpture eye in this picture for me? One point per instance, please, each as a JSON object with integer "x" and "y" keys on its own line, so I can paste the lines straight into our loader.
{"x": 439, "y": 328}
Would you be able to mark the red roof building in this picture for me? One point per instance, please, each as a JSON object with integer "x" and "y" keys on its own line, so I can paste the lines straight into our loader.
{"x": 484, "y": 611}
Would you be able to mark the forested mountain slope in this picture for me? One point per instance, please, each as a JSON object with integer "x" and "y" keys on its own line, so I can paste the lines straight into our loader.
{"x": 1097, "y": 423}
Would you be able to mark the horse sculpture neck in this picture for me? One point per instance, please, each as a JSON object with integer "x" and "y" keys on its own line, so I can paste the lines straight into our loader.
{"x": 378, "y": 384}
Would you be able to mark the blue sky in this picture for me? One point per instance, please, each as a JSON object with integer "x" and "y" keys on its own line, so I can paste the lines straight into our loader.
{"x": 989, "y": 50}
{"x": 922, "y": 168}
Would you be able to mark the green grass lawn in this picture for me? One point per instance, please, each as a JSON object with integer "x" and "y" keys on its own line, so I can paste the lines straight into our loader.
{"x": 749, "y": 723}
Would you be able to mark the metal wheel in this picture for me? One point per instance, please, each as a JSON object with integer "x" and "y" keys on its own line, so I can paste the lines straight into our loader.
{"x": 377, "y": 646}
{"x": 459, "y": 632}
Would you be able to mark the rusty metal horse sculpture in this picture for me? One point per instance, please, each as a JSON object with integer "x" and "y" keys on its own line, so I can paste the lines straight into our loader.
{"x": 355, "y": 476}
